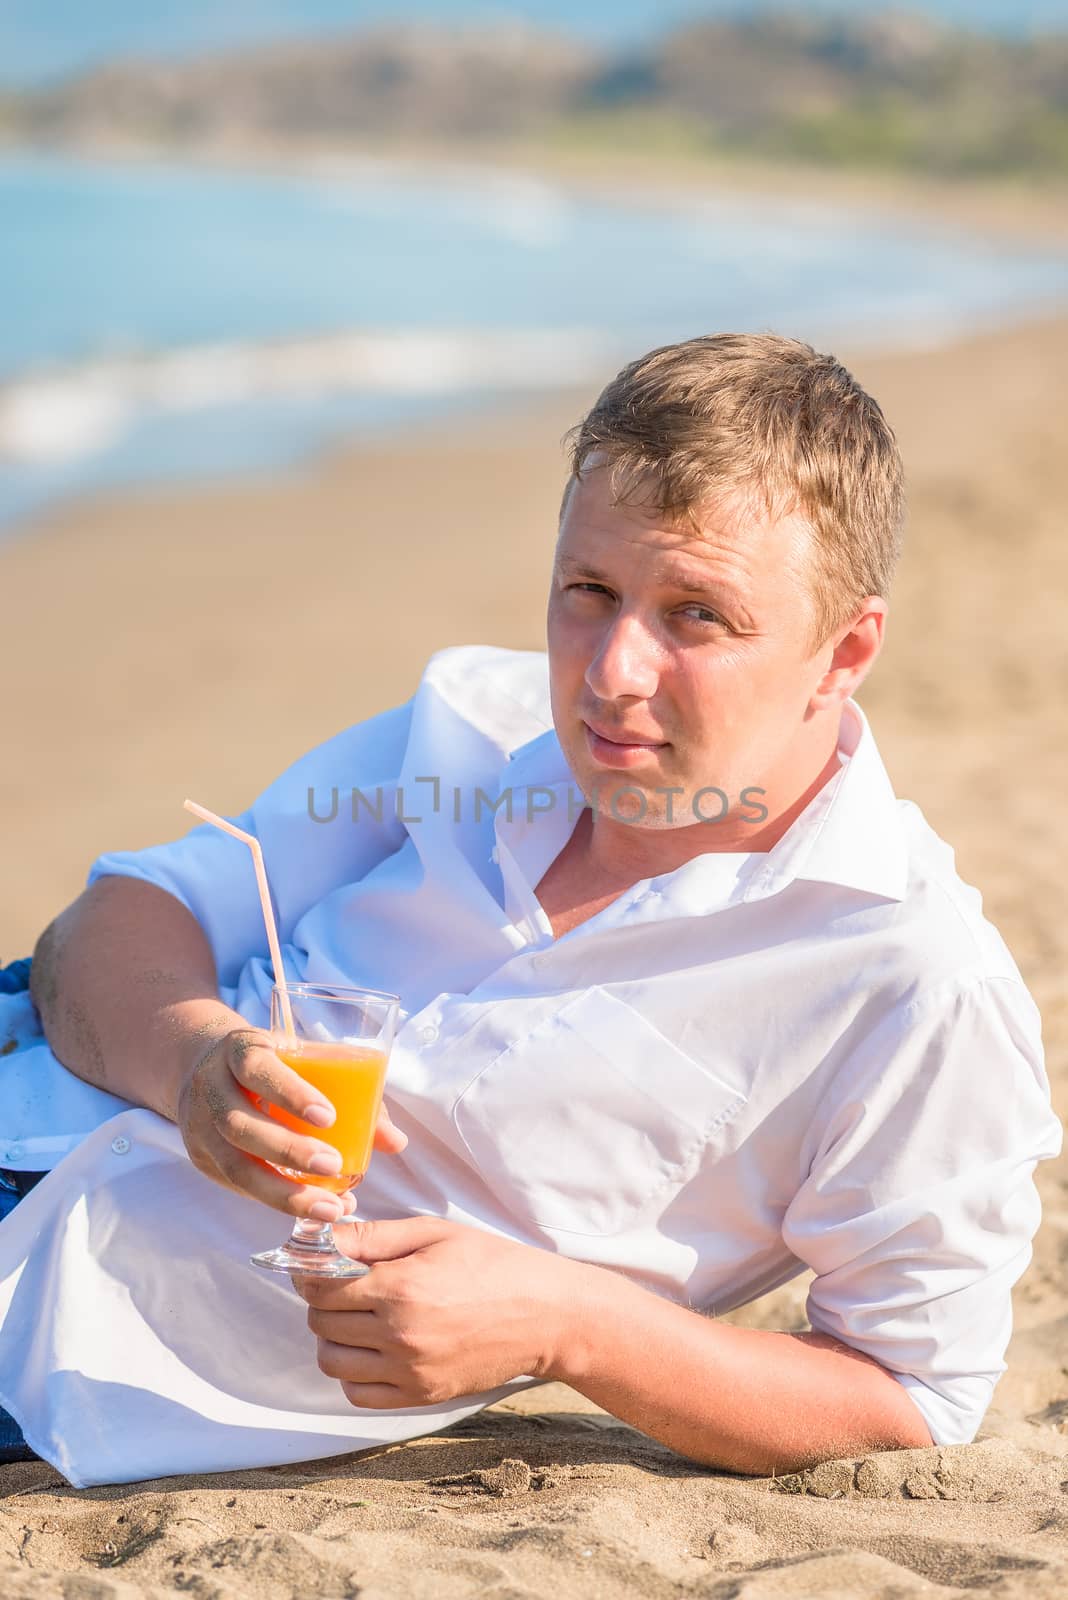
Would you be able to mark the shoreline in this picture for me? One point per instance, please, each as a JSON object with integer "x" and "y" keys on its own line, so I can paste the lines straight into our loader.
{"x": 456, "y": 414}
{"x": 1000, "y": 215}
{"x": 1024, "y": 209}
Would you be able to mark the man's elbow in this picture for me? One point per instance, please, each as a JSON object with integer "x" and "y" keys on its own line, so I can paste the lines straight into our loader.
{"x": 914, "y": 1433}
{"x": 44, "y": 969}
{"x": 897, "y": 1413}
{"x": 894, "y": 1421}
{"x": 876, "y": 1432}
{"x": 889, "y": 1418}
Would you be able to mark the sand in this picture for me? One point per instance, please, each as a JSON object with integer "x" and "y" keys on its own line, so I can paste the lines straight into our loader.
{"x": 194, "y": 642}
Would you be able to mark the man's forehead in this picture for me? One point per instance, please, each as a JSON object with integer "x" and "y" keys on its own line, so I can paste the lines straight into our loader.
{"x": 731, "y": 533}
{"x": 665, "y": 566}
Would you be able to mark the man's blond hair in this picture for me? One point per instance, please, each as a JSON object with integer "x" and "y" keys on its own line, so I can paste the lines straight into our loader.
{"x": 767, "y": 417}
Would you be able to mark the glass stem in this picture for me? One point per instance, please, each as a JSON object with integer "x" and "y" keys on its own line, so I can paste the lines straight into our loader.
{"x": 313, "y": 1235}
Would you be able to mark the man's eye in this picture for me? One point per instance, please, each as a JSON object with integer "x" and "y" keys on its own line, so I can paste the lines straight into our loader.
{"x": 589, "y": 588}
{"x": 702, "y": 614}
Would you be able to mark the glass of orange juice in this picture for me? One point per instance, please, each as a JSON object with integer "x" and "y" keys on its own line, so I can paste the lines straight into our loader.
{"x": 340, "y": 1044}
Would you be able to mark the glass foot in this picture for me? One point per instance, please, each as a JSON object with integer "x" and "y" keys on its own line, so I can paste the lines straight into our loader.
{"x": 311, "y": 1251}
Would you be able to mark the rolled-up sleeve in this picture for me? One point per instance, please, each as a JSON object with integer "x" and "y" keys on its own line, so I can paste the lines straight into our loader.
{"x": 326, "y": 821}
{"x": 919, "y": 1208}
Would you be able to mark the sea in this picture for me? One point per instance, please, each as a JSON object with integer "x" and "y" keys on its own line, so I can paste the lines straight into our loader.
{"x": 162, "y": 322}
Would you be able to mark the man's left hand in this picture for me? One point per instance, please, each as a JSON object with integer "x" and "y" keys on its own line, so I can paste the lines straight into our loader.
{"x": 446, "y": 1310}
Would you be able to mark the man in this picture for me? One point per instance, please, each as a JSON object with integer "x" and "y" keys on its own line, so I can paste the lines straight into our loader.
{"x": 691, "y": 1002}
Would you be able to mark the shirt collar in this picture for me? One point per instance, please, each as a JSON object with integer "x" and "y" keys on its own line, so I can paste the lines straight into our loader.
{"x": 543, "y": 805}
{"x": 849, "y": 834}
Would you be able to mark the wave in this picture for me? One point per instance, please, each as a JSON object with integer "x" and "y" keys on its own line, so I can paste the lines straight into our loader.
{"x": 79, "y": 411}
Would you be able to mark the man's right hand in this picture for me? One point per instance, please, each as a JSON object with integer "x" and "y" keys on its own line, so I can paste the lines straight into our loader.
{"x": 230, "y": 1140}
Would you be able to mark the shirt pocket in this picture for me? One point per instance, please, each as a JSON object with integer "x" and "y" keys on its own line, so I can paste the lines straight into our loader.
{"x": 592, "y": 1119}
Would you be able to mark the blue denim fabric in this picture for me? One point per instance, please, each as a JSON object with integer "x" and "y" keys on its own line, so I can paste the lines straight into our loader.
{"x": 13, "y": 1446}
{"x": 15, "y": 976}
{"x": 9, "y": 1198}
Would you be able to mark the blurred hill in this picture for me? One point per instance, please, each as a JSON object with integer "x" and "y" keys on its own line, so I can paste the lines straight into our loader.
{"x": 895, "y": 90}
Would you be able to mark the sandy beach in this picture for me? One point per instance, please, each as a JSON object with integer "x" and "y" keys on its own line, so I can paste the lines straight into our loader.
{"x": 196, "y": 641}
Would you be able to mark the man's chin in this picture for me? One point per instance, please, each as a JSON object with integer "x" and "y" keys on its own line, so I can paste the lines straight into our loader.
{"x": 637, "y": 799}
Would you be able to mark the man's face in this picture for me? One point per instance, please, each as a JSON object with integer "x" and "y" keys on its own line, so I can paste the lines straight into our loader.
{"x": 678, "y": 661}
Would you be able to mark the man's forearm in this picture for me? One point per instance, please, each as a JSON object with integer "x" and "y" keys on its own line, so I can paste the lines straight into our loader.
{"x": 745, "y": 1399}
{"x": 125, "y": 983}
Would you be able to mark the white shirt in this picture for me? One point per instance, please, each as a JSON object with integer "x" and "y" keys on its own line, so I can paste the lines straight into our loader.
{"x": 820, "y": 1056}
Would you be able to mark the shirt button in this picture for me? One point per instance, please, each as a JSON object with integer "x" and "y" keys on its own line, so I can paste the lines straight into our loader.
{"x": 495, "y": 856}
{"x": 428, "y": 1035}
{"x": 120, "y": 1144}
{"x": 15, "y": 1153}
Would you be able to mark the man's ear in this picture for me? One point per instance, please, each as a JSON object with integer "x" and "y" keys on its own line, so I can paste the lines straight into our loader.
{"x": 853, "y": 652}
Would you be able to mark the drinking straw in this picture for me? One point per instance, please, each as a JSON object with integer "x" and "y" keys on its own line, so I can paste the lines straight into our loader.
{"x": 265, "y": 901}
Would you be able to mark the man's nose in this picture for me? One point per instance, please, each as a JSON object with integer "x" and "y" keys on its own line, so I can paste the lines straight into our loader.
{"x": 625, "y": 665}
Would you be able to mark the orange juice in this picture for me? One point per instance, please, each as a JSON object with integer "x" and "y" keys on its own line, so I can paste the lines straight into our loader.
{"x": 351, "y": 1077}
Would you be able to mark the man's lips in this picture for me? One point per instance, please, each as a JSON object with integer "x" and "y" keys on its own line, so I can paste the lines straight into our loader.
{"x": 625, "y": 740}
{"x": 612, "y": 750}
